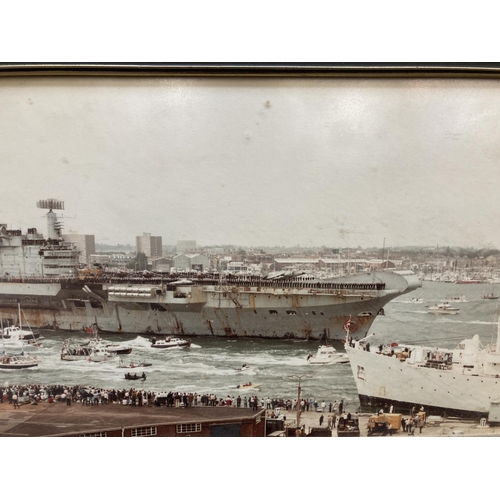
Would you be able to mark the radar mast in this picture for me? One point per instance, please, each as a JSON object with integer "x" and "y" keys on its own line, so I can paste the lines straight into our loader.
{"x": 54, "y": 227}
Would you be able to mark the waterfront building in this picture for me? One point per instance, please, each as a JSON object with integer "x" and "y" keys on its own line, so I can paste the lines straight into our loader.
{"x": 197, "y": 262}
{"x": 162, "y": 264}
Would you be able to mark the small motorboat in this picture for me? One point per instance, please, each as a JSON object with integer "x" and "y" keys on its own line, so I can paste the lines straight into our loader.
{"x": 17, "y": 361}
{"x": 16, "y": 336}
{"x": 443, "y": 308}
{"x": 100, "y": 355}
{"x": 98, "y": 342}
{"x": 117, "y": 349}
{"x": 327, "y": 355}
{"x": 72, "y": 350}
{"x": 490, "y": 296}
{"x": 458, "y": 299}
{"x": 417, "y": 300}
{"x": 248, "y": 370}
{"x": 133, "y": 365}
{"x": 170, "y": 342}
{"x": 249, "y": 386}
{"x": 135, "y": 376}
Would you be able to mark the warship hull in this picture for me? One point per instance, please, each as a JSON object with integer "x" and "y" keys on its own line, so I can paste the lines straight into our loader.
{"x": 259, "y": 309}
{"x": 461, "y": 382}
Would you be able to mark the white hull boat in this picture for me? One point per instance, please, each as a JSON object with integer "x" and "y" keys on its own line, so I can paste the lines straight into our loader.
{"x": 169, "y": 342}
{"x": 17, "y": 361}
{"x": 247, "y": 370}
{"x": 443, "y": 308}
{"x": 248, "y": 387}
{"x": 327, "y": 355}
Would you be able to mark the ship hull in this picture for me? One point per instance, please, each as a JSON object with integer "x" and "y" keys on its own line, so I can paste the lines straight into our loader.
{"x": 277, "y": 312}
{"x": 383, "y": 380}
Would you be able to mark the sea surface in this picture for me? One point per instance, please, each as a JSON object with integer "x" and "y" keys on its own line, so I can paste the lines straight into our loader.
{"x": 211, "y": 365}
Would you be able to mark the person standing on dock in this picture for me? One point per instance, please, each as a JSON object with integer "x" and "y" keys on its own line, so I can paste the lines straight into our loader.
{"x": 411, "y": 427}
{"x": 329, "y": 422}
{"x": 321, "y": 420}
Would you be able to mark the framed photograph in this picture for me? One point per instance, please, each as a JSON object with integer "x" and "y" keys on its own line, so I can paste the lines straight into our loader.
{"x": 289, "y": 189}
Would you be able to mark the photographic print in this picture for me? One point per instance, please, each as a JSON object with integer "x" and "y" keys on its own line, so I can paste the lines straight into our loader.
{"x": 249, "y": 252}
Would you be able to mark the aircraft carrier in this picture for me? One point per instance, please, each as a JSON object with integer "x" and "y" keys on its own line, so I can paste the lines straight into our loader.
{"x": 40, "y": 274}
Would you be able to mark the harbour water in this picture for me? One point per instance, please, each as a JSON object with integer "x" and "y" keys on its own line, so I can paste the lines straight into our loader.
{"x": 211, "y": 365}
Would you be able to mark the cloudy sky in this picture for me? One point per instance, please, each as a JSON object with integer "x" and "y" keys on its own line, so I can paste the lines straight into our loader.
{"x": 256, "y": 161}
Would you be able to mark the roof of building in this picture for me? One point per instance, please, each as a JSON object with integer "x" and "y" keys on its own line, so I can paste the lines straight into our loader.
{"x": 46, "y": 419}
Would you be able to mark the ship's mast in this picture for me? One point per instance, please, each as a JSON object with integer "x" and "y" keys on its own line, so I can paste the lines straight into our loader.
{"x": 54, "y": 227}
{"x": 498, "y": 337}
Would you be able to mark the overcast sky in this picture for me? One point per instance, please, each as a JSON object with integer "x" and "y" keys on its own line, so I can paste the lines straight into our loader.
{"x": 257, "y": 162}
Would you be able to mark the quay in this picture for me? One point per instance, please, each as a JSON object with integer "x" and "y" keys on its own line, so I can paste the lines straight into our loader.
{"x": 115, "y": 420}
{"x": 434, "y": 427}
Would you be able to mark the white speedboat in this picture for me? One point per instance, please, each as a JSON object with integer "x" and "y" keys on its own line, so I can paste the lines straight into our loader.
{"x": 327, "y": 355}
{"x": 248, "y": 387}
{"x": 443, "y": 308}
{"x": 100, "y": 354}
{"x": 170, "y": 342}
{"x": 17, "y": 361}
{"x": 417, "y": 300}
{"x": 247, "y": 370}
{"x": 139, "y": 364}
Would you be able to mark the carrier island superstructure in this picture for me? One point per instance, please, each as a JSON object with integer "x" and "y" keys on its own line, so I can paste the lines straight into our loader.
{"x": 41, "y": 275}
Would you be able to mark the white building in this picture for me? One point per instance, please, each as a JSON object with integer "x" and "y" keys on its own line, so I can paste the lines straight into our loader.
{"x": 189, "y": 262}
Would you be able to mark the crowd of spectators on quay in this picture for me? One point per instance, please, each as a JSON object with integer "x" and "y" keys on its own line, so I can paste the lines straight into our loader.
{"x": 92, "y": 396}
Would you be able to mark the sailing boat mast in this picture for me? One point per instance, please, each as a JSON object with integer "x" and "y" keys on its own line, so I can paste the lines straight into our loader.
{"x": 383, "y": 252}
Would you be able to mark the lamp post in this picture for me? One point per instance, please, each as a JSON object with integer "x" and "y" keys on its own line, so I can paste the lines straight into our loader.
{"x": 299, "y": 378}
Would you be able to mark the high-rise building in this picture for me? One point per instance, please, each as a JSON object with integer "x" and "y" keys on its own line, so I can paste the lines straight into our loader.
{"x": 149, "y": 245}
{"x": 83, "y": 242}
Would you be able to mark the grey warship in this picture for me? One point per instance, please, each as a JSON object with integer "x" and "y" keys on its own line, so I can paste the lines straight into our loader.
{"x": 40, "y": 275}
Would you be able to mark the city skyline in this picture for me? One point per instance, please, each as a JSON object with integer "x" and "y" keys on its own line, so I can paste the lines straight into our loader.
{"x": 251, "y": 162}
